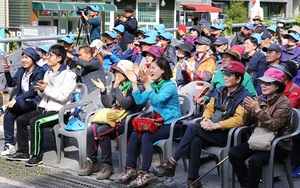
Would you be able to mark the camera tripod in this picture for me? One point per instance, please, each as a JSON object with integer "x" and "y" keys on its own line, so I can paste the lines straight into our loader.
{"x": 86, "y": 39}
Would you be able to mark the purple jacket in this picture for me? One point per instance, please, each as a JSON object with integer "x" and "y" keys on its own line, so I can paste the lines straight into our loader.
{"x": 291, "y": 54}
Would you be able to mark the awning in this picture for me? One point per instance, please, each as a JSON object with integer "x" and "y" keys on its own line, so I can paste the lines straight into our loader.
{"x": 201, "y": 8}
{"x": 38, "y": 5}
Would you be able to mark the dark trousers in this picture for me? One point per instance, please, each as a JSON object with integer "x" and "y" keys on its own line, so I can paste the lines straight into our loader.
{"x": 146, "y": 142}
{"x": 105, "y": 143}
{"x": 194, "y": 140}
{"x": 295, "y": 153}
{"x": 36, "y": 128}
{"x": 249, "y": 177}
{"x": 21, "y": 107}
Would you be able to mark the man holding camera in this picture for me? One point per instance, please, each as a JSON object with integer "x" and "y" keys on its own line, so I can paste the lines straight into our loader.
{"x": 94, "y": 22}
{"x": 130, "y": 23}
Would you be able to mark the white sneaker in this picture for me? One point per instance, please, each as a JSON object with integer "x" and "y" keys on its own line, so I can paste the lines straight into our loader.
{"x": 8, "y": 149}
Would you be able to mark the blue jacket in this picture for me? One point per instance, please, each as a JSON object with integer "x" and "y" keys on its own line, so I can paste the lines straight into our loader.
{"x": 95, "y": 28}
{"x": 165, "y": 102}
{"x": 256, "y": 67}
{"x": 115, "y": 57}
{"x": 16, "y": 80}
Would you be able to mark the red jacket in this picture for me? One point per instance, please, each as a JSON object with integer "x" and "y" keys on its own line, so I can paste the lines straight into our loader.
{"x": 292, "y": 92}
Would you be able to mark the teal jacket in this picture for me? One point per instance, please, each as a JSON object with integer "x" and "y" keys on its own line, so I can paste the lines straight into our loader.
{"x": 165, "y": 102}
{"x": 218, "y": 80}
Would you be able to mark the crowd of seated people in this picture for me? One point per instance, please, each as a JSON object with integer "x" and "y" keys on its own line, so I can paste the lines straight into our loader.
{"x": 150, "y": 69}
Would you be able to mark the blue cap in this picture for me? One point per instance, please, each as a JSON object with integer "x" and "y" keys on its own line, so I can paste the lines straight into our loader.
{"x": 160, "y": 28}
{"x": 94, "y": 8}
{"x": 68, "y": 39}
{"x": 272, "y": 47}
{"x": 151, "y": 34}
{"x": 31, "y": 52}
{"x": 142, "y": 30}
{"x": 44, "y": 48}
{"x": 221, "y": 40}
{"x": 294, "y": 35}
{"x": 257, "y": 37}
{"x": 166, "y": 35}
{"x": 249, "y": 26}
{"x": 272, "y": 28}
{"x": 148, "y": 40}
{"x": 119, "y": 28}
{"x": 266, "y": 36}
{"x": 218, "y": 26}
{"x": 203, "y": 22}
{"x": 112, "y": 34}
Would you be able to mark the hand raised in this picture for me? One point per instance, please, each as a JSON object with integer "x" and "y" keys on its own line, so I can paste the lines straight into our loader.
{"x": 99, "y": 84}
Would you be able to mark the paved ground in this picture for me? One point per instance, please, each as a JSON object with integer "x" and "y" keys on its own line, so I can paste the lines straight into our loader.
{"x": 64, "y": 174}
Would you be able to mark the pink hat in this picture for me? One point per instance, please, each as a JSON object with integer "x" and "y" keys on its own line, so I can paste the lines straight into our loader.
{"x": 154, "y": 50}
{"x": 238, "y": 48}
{"x": 273, "y": 74}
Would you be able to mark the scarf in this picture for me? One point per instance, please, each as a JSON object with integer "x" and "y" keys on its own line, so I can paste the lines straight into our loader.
{"x": 125, "y": 86}
{"x": 157, "y": 86}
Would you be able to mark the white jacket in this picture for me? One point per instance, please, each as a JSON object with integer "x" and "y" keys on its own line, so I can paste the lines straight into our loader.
{"x": 56, "y": 96}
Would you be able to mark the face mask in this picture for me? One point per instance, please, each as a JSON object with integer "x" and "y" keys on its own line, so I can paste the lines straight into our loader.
{"x": 280, "y": 25}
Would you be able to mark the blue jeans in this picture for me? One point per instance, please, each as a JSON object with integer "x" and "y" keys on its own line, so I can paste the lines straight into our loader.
{"x": 11, "y": 114}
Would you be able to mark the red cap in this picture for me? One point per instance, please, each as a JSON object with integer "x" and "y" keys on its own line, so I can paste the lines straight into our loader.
{"x": 235, "y": 66}
{"x": 182, "y": 28}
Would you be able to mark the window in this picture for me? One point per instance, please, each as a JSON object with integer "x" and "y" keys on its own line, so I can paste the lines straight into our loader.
{"x": 109, "y": 21}
{"x": 147, "y": 13}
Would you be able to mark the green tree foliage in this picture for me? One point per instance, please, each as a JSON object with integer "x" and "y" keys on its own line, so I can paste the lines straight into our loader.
{"x": 237, "y": 13}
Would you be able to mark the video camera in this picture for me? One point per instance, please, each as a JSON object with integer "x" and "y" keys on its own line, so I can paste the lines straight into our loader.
{"x": 79, "y": 10}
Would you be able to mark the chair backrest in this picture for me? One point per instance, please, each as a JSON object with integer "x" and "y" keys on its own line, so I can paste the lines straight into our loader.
{"x": 295, "y": 123}
{"x": 110, "y": 77}
{"x": 192, "y": 88}
{"x": 186, "y": 105}
{"x": 2, "y": 81}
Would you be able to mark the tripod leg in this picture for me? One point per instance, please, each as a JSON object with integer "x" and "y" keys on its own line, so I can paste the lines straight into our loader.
{"x": 78, "y": 37}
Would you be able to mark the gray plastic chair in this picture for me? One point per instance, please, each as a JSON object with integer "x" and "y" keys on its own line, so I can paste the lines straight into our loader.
{"x": 186, "y": 105}
{"x": 110, "y": 78}
{"x": 191, "y": 89}
{"x": 89, "y": 103}
{"x": 268, "y": 170}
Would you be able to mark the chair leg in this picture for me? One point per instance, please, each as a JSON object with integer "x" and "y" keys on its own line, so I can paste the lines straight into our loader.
{"x": 184, "y": 165}
{"x": 59, "y": 147}
{"x": 122, "y": 152}
{"x": 288, "y": 170}
{"x": 224, "y": 168}
{"x": 82, "y": 152}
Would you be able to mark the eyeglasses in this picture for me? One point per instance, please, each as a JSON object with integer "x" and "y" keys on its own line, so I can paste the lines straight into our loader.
{"x": 266, "y": 83}
{"x": 228, "y": 74}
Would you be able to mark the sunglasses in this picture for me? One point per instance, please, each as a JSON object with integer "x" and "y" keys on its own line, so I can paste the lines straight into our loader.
{"x": 266, "y": 83}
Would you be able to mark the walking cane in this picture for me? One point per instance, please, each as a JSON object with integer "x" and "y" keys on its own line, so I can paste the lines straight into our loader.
{"x": 192, "y": 183}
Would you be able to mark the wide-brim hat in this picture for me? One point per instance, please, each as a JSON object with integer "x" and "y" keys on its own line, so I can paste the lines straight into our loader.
{"x": 256, "y": 18}
{"x": 284, "y": 68}
{"x": 123, "y": 66}
{"x": 233, "y": 53}
{"x": 295, "y": 36}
